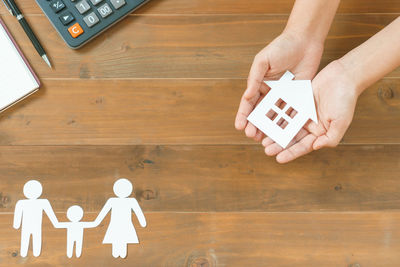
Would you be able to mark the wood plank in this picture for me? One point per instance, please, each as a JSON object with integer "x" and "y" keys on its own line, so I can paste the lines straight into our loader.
{"x": 206, "y": 178}
{"x": 229, "y": 239}
{"x": 166, "y": 111}
{"x": 173, "y": 46}
{"x": 239, "y": 7}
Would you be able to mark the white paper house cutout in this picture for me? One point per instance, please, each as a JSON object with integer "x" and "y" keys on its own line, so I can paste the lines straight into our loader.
{"x": 285, "y": 109}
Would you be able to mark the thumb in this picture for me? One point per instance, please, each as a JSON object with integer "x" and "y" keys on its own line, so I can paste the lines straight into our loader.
{"x": 257, "y": 73}
{"x": 332, "y": 137}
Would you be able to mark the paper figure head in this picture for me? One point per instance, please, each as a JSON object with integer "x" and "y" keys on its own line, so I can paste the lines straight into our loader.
{"x": 32, "y": 189}
{"x": 74, "y": 213}
{"x": 122, "y": 188}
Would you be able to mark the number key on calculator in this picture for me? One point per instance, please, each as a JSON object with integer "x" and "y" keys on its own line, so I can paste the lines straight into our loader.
{"x": 79, "y": 21}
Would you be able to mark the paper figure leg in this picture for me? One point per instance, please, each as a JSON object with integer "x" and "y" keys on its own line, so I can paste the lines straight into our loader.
{"x": 37, "y": 243}
{"x": 123, "y": 250}
{"x": 70, "y": 248}
{"x": 25, "y": 236}
{"x": 78, "y": 248}
{"x": 115, "y": 250}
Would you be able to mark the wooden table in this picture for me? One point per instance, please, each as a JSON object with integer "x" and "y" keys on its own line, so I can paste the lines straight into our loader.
{"x": 153, "y": 100}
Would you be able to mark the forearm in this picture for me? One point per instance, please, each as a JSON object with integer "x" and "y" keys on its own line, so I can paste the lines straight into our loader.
{"x": 312, "y": 18}
{"x": 372, "y": 60}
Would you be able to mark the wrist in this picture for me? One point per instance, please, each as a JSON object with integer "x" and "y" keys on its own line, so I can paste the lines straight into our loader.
{"x": 304, "y": 43}
{"x": 351, "y": 70}
{"x": 304, "y": 35}
{"x": 312, "y": 19}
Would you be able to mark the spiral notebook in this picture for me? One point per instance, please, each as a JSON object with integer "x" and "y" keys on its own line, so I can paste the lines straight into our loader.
{"x": 17, "y": 79}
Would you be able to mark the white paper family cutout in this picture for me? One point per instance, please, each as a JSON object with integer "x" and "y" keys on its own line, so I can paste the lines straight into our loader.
{"x": 120, "y": 232}
{"x": 285, "y": 109}
{"x": 28, "y": 215}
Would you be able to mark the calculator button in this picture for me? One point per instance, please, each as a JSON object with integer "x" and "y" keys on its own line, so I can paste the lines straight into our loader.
{"x": 105, "y": 10}
{"x": 91, "y": 19}
{"x": 57, "y": 5}
{"x": 75, "y": 30}
{"x": 82, "y": 6}
{"x": 66, "y": 18}
{"x": 95, "y": 2}
{"x": 118, "y": 3}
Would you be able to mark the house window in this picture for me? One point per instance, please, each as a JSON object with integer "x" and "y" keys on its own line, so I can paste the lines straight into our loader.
{"x": 280, "y": 103}
{"x": 271, "y": 114}
{"x": 291, "y": 112}
{"x": 282, "y": 114}
{"x": 282, "y": 123}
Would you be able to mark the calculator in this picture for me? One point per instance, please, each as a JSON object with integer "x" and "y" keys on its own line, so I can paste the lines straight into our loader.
{"x": 79, "y": 21}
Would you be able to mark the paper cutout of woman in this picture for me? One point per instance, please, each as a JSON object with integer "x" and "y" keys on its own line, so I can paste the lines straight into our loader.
{"x": 121, "y": 231}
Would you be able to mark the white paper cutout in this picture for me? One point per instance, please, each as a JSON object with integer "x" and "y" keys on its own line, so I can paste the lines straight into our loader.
{"x": 121, "y": 231}
{"x": 75, "y": 230}
{"x": 28, "y": 215}
{"x": 295, "y": 107}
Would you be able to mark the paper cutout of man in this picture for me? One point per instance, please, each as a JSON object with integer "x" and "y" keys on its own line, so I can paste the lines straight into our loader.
{"x": 29, "y": 214}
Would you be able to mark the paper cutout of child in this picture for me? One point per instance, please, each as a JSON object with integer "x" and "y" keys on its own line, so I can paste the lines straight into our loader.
{"x": 75, "y": 230}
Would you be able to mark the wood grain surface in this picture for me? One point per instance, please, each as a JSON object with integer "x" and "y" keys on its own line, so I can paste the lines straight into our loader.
{"x": 166, "y": 111}
{"x": 172, "y": 46}
{"x": 153, "y": 100}
{"x": 156, "y": 7}
{"x": 206, "y": 178}
{"x": 229, "y": 239}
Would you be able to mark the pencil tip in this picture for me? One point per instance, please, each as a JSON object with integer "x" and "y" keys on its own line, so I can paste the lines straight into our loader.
{"x": 46, "y": 59}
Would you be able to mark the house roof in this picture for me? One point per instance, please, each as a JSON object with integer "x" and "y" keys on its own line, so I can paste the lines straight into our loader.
{"x": 296, "y": 93}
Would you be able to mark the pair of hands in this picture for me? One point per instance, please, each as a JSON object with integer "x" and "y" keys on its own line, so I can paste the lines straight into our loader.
{"x": 334, "y": 91}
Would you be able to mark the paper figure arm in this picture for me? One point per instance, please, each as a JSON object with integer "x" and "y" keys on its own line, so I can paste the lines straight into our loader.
{"x": 50, "y": 213}
{"x": 138, "y": 212}
{"x": 17, "y": 215}
{"x": 61, "y": 225}
{"x": 89, "y": 224}
{"x": 107, "y": 207}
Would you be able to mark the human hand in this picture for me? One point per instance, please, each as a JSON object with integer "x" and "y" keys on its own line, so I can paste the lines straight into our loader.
{"x": 335, "y": 95}
{"x": 288, "y": 51}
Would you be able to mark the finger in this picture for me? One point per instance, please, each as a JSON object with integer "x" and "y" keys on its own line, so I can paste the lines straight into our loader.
{"x": 245, "y": 108}
{"x": 259, "y": 136}
{"x": 316, "y": 129}
{"x": 250, "y": 130}
{"x": 258, "y": 70}
{"x": 267, "y": 141}
{"x": 304, "y": 146}
{"x": 264, "y": 88}
{"x": 244, "y": 112}
{"x": 247, "y": 105}
{"x": 332, "y": 137}
{"x": 274, "y": 149}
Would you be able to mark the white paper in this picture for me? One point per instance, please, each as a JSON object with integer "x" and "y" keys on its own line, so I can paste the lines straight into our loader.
{"x": 28, "y": 216}
{"x": 121, "y": 232}
{"x": 298, "y": 95}
{"x": 75, "y": 230}
{"x": 16, "y": 80}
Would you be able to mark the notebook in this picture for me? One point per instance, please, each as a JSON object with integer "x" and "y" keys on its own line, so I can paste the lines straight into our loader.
{"x": 17, "y": 79}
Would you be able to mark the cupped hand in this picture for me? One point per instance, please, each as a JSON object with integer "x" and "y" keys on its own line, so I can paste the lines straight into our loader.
{"x": 336, "y": 96}
{"x": 287, "y": 52}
